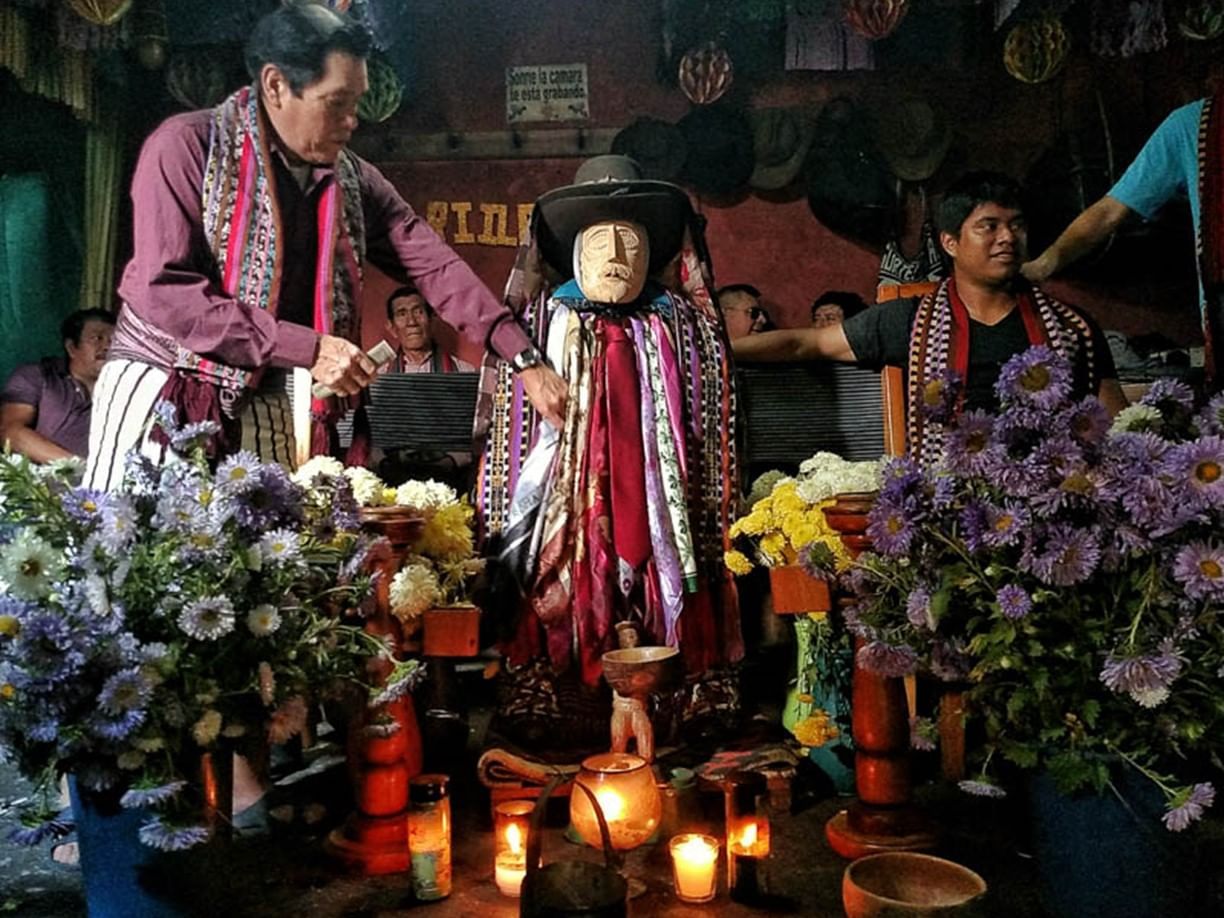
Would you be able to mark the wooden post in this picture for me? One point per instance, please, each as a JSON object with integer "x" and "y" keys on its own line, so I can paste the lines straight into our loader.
{"x": 883, "y": 818}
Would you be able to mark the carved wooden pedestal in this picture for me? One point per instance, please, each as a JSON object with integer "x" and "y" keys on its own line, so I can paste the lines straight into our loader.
{"x": 883, "y": 818}
{"x": 374, "y": 839}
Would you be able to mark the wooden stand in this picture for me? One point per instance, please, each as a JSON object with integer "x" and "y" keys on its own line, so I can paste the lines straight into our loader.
{"x": 374, "y": 839}
{"x": 883, "y": 818}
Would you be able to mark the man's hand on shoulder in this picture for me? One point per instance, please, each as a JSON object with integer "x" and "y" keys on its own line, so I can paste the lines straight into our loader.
{"x": 342, "y": 366}
{"x": 547, "y": 392}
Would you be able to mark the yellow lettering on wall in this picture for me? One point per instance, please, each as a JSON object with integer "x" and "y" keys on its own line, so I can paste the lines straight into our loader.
{"x": 437, "y": 215}
{"x": 462, "y": 233}
{"x": 524, "y": 223}
{"x": 496, "y": 216}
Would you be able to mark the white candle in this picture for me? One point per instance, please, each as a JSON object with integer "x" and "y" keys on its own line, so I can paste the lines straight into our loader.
{"x": 693, "y": 863}
{"x": 510, "y": 866}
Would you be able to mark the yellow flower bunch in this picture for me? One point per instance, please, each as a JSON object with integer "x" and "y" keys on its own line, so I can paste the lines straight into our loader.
{"x": 816, "y": 729}
{"x": 448, "y": 533}
{"x": 778, "y": 527}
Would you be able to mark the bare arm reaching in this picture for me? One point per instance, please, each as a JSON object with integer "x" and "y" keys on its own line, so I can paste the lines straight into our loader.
{"x": 790, "y": 344}
{"x": 1085, "y": 233}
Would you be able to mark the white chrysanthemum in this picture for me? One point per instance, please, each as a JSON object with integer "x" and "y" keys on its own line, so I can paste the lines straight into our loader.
{"x": 280, "y": 546}
{"x": 206, "y": 730}
{"x": 367, "y": 487}
{"x": 413, "y": 590}
{"x": 29, "y": 565}
{"x": 1134, "y": 418}
{"x": 97, "y": 595}
{"x": 207, "y": 618}
{"x": 263, "y": 620}
{"x": 826, "y": 475}
{"x": 149, "y": 743}
{"x": 319, "y": 465}
{"x": 425, "y": 495}
{"x": 764, "y": 485}
{"x": 71, "y": 468}
{"x": 1150, "y": 698}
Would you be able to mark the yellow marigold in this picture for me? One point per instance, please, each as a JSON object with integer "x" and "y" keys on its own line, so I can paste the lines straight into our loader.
{"x": 737, "y": 562}
{"x": 773, "y": 547}
{"x": 818, "y": 617}
{"x": 800, "y": 530}
{"x": 7, "y": 691}
{"x": 755, "y": 523}
{"x": 9, "y": 625}
{"x": 448, "y": 533}
{"x": 816, "y": 729}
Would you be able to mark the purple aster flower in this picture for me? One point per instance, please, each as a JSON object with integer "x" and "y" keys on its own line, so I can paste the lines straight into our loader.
{"x": 918, "y": 608}
{"x": 1211, "y": 418}
{"x": 1199, "y": 465}
{"x": 981, "y": 788}
{"x": 890, "y": 528}
{"x": 818, "y": 560}
{"x": 1063, "y": 555}
{"x": 968, "y": 445}
{"x": 84, "y": 505}
{"x": 148, "y": 795}
{"x": 852, "y": 619}
{"x": 972, "y": 522}
{"x": 119, "y": 522}
{"x": 164, "y": 835}
{"x": 1142, "y": 673}
{"x": 192, "y": 435}
{"x": 45, "y": 731}
{"x": 1004, "y": 525}
{"x": 940, "y": 395}
{"x": 118, "y": 727}
{"x": 1187, "y": 807}
{"x": 37, "y": 827}
{"x": 900, "y": 479}
{"x": 1165, "y": 392}
{"x": 207, "y": 618}
{"x": 1199, "y": 568}
{"x": 48, "y": 651}
{"x": 950, "y": 662}
{"x": 1088, "y": 421}
{"x": 1037, "y": 378}
{"x": 125, "y": 691}
{"x": 1014, "y": 602}
{"x": 887, "y": 659}
{"x": 236, "y": 473}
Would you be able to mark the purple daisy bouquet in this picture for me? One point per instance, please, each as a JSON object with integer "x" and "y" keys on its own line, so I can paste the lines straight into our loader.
{"x": 188, "y": 611}
{"x": 1068, "y": 572}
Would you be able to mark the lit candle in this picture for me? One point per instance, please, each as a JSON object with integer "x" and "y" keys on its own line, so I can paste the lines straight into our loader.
{"x": 694, "y": 860}
{"x": 750, "y": 840}
{"x": 511, "y": 865}
{"x": 612, "y": 804}
{"x": 510, "y": 858}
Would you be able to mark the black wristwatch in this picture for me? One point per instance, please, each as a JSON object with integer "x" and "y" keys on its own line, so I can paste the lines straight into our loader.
{"x": 527, "y": 358}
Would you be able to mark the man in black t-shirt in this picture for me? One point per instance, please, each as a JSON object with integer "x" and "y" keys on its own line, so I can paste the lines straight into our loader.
{"x": 972, "y": 324}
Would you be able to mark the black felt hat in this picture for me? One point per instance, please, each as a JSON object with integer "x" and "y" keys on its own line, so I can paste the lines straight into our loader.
{"x": 850, "y": 189}
{"x": 720, "y": 149}
{"x": 657, "y": 146}
{"x": 610, "y": 187}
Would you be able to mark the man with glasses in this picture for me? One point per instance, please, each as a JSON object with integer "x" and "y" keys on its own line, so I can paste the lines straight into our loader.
{"x": 742, "y": 312}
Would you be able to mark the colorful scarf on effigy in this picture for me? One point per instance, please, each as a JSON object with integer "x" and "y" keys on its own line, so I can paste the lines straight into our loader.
{"x": 939, "y": 343}
{"x": 242, "y": 228}
{"x": 1211, "y": 231}
{"x": 547, "y": 497}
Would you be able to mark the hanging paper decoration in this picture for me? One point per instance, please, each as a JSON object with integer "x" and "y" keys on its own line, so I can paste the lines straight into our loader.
{"x": 1202, "y": 20}
{"x": 1127, "y": 29}
{"x": 875, "y": 19}
{"x": 705, "y": 74}
{"x": 196, "y": 78}
{"x": 100, "y": 12}
{"x": 149, "y": 37}
{"x": 1036, "y": 49}
{"x": 382, "y": 99}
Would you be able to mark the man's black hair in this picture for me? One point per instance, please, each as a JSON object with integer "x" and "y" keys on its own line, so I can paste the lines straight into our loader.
{"x": 851, "y": 303}
{"x": 406, "y": 290}
{"x": 74, "y": 323}
{"x": 739, "y": 288}
{"x": 298, "y": 38}
{"x": 971, "y": 190}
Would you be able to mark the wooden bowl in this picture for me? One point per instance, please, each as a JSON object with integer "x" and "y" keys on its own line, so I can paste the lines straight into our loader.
{"x": 901, "y": 884}
{"x": 640, "y": 671}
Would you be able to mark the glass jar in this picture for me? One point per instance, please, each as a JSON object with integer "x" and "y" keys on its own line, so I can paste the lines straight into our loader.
{"x": 429, "y": 837}
{"x": 511, "y": 825}
{"x": 746, "y": 795}
{"x": 625, "y": 787}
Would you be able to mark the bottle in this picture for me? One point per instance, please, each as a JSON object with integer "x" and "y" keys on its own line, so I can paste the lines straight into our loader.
{"x": 429, "y": 837}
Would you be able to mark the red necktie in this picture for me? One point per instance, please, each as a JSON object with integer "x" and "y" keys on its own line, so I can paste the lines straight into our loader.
{"x": 630, "y": 525}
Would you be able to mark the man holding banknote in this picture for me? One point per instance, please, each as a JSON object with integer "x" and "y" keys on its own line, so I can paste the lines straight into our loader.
{"x": 252, "y": 225}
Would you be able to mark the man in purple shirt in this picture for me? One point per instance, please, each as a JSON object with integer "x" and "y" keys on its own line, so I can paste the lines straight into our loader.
{"x": 44, "y": 408}
{"x": 224, "y": 293}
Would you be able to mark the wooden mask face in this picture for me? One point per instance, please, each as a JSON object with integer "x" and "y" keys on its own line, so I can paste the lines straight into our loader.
{"x": 613, "y": 261}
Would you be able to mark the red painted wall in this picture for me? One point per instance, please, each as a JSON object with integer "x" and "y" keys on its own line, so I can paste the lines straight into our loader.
{"x": 460, "y": 49}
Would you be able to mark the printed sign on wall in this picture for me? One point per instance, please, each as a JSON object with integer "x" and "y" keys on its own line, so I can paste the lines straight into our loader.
{"x": 547, "y": 92}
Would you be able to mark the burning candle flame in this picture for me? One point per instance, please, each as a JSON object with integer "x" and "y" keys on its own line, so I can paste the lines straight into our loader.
{"x": 748, "y": 839}
{"x": 697, "y": 851}
{"x": 514, "y": 838}
{"x": 612, "y": 804}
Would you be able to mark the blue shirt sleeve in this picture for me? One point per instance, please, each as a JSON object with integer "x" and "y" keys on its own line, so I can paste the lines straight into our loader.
{"x": 1166, "y": 167}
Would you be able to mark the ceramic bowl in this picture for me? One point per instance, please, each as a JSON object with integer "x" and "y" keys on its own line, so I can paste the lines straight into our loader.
{"x": 904, "y": 883}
